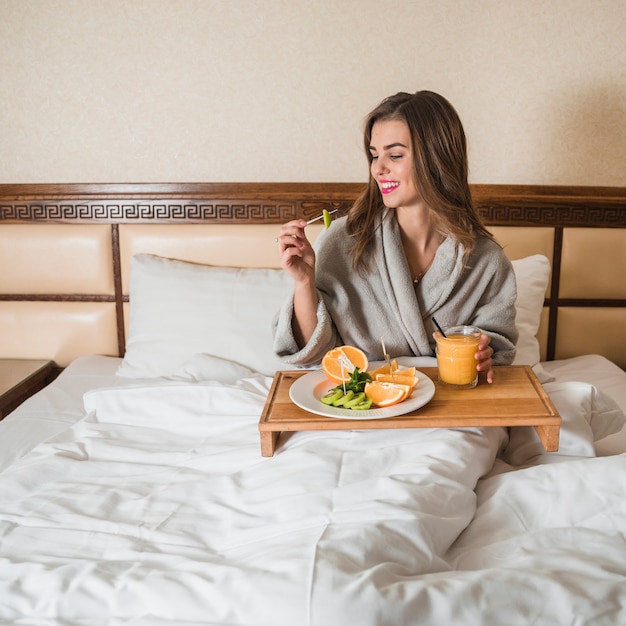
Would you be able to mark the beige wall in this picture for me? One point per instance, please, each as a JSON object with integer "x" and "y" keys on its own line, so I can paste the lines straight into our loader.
{"x": 275, "y": 90}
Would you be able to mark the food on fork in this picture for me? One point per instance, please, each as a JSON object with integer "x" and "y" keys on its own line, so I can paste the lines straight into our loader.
{"x": 326, "y": 216}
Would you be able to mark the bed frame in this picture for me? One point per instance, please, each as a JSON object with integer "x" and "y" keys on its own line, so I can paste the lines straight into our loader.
{"x": 65, "y": 251}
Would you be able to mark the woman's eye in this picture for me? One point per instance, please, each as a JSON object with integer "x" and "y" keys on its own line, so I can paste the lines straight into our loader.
{"x": 391, "y": 157}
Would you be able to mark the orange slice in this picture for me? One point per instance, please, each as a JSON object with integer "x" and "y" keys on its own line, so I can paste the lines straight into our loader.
{"x": 386, "y": 394}
{"x": 350, "y": 356}
{"x": 398, "y": 377}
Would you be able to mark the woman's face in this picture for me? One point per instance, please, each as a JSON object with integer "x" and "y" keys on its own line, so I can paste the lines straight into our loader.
{"x": 392, "y": 163}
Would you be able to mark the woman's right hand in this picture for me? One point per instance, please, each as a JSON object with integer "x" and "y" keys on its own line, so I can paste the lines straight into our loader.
{"x": 296, "y": 254}
{"x": 297, "y": 258}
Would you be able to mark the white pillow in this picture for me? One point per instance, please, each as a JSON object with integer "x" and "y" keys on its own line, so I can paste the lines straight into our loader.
{"x": 532, "y": 275}
{"x": 180, "y": 309}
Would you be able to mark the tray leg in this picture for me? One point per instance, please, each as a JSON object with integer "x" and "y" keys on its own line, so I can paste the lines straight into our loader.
{"x": 269, "y": 439}
{"x": 549, "y": 436}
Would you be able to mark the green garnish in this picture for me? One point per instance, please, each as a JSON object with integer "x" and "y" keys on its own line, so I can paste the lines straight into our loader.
{"x": 357, "y": 381}
{"x": 354, "y": 396}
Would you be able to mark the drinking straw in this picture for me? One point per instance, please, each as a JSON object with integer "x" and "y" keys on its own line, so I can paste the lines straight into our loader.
{"x": 438, "y": 327}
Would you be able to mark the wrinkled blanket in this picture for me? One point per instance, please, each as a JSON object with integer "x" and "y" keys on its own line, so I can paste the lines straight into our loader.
{"x": 158, "y": 508}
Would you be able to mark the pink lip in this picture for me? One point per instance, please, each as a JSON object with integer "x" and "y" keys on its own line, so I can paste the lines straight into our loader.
{"x": 387, "y": 190}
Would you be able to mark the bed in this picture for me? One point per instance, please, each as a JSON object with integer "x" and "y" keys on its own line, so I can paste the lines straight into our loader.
{"x": 133, "y": 489}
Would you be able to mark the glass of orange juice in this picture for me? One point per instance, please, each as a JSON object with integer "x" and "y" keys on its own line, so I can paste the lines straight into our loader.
{"x": 456, "y": 356}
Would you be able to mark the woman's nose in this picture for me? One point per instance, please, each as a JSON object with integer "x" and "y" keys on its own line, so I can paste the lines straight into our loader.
{"x": 380, "y": 167}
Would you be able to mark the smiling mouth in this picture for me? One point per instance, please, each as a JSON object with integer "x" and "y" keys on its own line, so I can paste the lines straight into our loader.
{"x": 387, "y": 186}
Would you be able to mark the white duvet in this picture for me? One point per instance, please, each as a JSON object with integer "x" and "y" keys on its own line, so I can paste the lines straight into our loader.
{"x": 158, "y": 508}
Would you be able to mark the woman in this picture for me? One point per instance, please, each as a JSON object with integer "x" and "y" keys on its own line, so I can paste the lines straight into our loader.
{"x": 412, "y": 247}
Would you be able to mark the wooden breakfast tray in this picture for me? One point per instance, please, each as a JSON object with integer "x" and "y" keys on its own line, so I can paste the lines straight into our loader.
{"x": 515, "y": 398}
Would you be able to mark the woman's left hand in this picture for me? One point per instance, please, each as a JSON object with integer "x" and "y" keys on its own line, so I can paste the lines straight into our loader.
{"x": 483, "y": 356}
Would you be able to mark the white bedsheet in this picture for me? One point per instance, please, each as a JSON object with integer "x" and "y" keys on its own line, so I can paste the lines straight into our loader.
{"x": 156, "y": 507}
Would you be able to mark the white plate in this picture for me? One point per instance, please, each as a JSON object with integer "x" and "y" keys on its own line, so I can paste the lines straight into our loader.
{"x": 308, "y": 389}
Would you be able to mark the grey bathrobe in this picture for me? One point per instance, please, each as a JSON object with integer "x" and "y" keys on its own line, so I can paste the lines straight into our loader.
{"x": 359, "y": 309}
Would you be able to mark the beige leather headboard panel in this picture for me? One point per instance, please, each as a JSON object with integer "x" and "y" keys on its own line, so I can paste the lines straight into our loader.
{"x": 592, "y": 330}
{"x": 519, "y": 241}
{"x": 61, "y": 331}
{"x": 229, "y": 245}
{"x": 237, "y": 245}
{"x": 43, "y": 258}
{"x": 65, "y": 253}
{"x": 593, "y": 261}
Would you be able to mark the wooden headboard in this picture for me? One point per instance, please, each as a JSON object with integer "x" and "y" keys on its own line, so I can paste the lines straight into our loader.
{"x": 65, "y": 251}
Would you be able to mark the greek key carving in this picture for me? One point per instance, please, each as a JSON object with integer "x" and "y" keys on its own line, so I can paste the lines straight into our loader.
{"x": 174, "y": 211}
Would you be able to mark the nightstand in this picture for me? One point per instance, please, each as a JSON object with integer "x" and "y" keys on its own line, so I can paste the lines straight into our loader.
{"x": 20, "y": 379}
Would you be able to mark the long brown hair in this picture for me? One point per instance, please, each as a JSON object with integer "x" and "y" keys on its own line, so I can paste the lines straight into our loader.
{"x": 439, "y": 149}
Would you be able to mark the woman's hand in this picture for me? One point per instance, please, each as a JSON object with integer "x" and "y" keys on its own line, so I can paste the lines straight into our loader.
{"x": 483, "y": 356}
{"x": 297, "y": 258}
{"x": 296, "y": 254}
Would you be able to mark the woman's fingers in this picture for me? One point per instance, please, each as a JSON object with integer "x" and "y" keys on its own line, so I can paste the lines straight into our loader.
{"x": 483, "y": 356}
{"x": 294, "y": 250}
